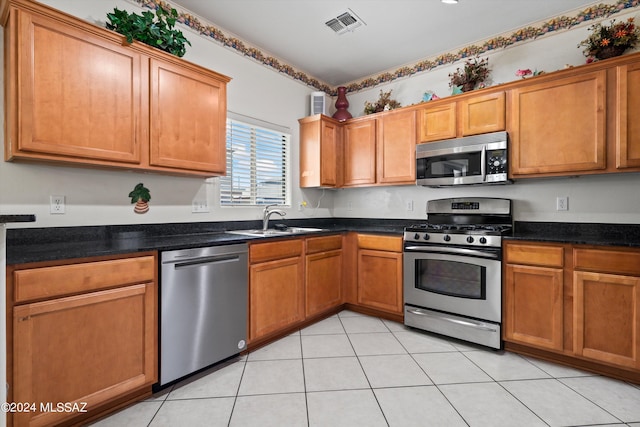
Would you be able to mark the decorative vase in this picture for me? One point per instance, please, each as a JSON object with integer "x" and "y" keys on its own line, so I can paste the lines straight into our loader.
{"x": 609, "y": 52}
{"x": 141, "y": 207}
{"x": 469, "y": 86}
{"x": 342, "y": 104}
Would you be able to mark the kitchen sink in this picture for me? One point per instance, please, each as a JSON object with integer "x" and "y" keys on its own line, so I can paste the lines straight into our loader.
{"x": 275, "y": 232}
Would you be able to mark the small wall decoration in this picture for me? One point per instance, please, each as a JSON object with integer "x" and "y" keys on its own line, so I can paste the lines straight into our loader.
{"x": 140, "y": 196}
{"x": 384, "y": 103}
{"x": 607, "y": 41}
{"x": 429, "y": 96}
{"x": 527, "y": 72}
{"x": 473, "y": 74}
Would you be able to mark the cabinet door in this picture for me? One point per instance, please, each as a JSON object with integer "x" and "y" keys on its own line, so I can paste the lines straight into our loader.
{"x": 558, "y": 126}
{"x": 188, "y": 119}
{"x": 396, "y": 148}
{"x": 323, "y": 281}
{"x": 438, "y": 122}
{"x": 85, "y": 348}
{"x": 320, "y": 156}
{"x": 482, "y": 114}
{"x": 606, "y": 318}
{"x": 380, "y": 280}
{"x": 533, "y": 311}
{"x": 77, "y": 98}
{"x": 628, "y": 109}
{"x": 276, "y": 295}
{"x": 360, "y": 152}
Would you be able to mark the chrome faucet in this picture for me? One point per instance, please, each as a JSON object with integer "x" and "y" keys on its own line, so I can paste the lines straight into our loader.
{"x": 267, "y": 213}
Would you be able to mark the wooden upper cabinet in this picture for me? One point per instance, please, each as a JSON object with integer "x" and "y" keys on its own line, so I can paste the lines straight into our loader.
{"x": 458, "y": 117}
{"x": 558, "y": 126}
{"x": 482, "y": 114}
{"x": 396, "y": 148}
{"x": 76, "y": 94}
{"x": 188, "y": 119}
{"x": 438, "y": 122}
{"x": 627, "y": 110}
{"x": 360, "y": 152}
{"x": 73, "y": 96}
{"x": 320, "y": 152}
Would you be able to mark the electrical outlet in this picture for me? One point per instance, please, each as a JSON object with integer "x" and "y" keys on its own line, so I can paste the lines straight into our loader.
{"x": 56, "y": 205}
{"x": 301, "y": 206}
{"x": 409, "y": 205}
{"x": 199, "y": 206}
{"x": 349, "y": 206}
{"x": 562, "y": 203}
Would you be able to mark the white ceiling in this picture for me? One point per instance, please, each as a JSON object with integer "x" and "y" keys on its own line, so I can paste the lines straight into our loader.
{"x": 397, "y": 32}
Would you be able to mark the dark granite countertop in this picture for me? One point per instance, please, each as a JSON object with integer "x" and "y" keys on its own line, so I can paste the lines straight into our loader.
{"x": 578, "y": 233}
{"x": 27, "y": 245}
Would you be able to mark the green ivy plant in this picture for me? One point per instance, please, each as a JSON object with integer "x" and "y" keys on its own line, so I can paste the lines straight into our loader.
{"x": 153, "y": 29}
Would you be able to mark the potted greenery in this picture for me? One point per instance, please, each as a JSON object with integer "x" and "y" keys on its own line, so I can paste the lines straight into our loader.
{"x": 140, "y": 196}
{"x": 474, "y": 73}
{"x": 152, "y": 29}
{"x": 607, "y": 41}
{"x": 384, "y": 103}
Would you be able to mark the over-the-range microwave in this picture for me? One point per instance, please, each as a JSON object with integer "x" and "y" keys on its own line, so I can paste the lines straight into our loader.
{"x": 478, "y": 159}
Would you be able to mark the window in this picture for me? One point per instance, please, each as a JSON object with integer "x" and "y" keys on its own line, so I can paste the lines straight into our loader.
{"x": 257, "y": 165}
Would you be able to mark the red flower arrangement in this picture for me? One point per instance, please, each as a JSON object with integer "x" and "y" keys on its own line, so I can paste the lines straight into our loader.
{"x": 607, "y": 41}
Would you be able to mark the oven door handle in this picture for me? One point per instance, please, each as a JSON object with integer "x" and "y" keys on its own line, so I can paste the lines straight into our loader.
{"x": 471, "y": 323}
{"x": 455, "y": 251}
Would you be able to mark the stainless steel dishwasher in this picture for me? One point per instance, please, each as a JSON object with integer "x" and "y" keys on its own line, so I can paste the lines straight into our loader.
{"x": 203, "y": 308}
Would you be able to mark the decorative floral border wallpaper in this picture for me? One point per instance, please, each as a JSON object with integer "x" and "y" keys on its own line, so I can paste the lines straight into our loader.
{"x": 523, "y": 34}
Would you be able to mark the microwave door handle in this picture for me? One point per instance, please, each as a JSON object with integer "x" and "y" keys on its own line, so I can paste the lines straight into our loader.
{"x": 483, "y": 161}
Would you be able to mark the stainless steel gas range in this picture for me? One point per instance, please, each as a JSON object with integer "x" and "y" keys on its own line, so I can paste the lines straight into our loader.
{"x": 452, "y": 269}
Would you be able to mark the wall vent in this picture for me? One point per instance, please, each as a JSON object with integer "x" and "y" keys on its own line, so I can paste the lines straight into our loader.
{"x": 347, "y": 21}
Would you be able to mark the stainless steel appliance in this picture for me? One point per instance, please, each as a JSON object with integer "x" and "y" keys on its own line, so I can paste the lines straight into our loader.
{"x": 203, "y": 308}
{"x": 452, "y": 269}
{"x": 478, "y": 159}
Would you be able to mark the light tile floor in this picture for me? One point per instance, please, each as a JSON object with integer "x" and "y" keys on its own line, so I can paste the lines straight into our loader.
{"x": 356, "y": 370}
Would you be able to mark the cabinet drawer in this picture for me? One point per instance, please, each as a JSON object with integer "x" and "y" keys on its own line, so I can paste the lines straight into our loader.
{"x": 322, "y": 244}
{"x": 540, "y": 255}
{"x": 54, "y": 281}
{"x": 607, "y": 261}
{"x": 381, "y": 243}
{"x": 261, "y": 252}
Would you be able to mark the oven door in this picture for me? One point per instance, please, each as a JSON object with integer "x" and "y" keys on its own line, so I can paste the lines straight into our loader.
{"x": 443, "y": 279}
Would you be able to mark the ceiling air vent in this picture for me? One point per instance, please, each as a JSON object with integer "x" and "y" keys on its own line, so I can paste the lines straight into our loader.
{"x": 347, "y": 21}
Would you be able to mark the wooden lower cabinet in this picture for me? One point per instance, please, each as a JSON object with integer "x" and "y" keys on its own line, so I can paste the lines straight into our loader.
{"x": 323, "y": 274}
{"x": 533, "y": 305}
{"x": 379, "y": 281}
{"x": 81, "y": 349}
{"x": 276, "y": 291}
{"x": 579, "y": 302}
{"x": 606, "y": 318}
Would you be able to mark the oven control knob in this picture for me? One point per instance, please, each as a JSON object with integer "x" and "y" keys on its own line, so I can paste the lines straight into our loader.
{"x": 470, "y": 239}
{"x": 446, "y": 237}
{"x": 426, "y": 236}
{"x": 416, "y": 236}
{"x": 483, "y": 240}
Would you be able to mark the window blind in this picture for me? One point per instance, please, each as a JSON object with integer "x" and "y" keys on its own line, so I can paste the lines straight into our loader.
{"x": 257, "y": 166}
